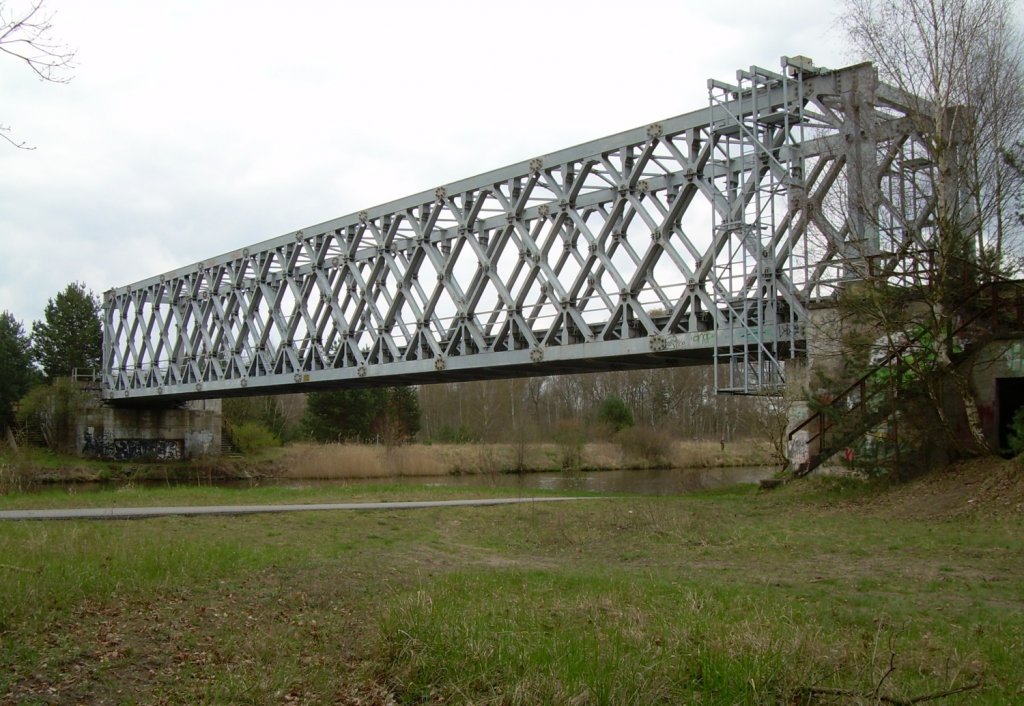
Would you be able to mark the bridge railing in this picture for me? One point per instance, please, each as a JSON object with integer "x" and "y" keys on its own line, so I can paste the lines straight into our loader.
{"x": 87, "y": 375}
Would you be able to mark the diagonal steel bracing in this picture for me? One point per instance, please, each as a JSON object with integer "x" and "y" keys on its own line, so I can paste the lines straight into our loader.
{"x": 703, "y": 238}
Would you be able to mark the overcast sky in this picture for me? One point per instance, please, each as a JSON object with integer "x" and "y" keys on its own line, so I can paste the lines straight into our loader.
{"x": 193, "y": 128}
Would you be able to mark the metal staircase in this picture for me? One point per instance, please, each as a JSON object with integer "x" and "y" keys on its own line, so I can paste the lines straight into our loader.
{"x": 994, "y": 309}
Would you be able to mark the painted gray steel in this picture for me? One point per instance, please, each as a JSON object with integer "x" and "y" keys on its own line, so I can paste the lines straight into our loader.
{"x": 703, "y": 238}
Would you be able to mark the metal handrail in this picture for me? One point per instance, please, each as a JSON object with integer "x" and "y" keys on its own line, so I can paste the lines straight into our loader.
{"x": 86, "y": 375}
{"x": 840, "y": 403}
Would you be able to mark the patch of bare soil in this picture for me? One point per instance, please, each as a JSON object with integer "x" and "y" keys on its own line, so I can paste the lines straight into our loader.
{"x": 989, "y": 486}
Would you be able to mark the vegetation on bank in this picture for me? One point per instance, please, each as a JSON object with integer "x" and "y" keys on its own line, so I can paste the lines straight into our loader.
{"x": 31, "y": 465}
{"x": 821, "y": 592}
{"x": 340, "y": 461}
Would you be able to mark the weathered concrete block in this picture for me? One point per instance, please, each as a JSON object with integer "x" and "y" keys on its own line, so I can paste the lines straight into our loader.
{"x": 164, "y": 434}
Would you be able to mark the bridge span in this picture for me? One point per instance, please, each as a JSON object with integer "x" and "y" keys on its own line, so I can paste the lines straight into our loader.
{"x": 704, "y": 238}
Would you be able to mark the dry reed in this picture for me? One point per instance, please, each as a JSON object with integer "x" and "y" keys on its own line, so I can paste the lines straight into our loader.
{"x": 710, "y": 454}
{"x": 339, "y": 461}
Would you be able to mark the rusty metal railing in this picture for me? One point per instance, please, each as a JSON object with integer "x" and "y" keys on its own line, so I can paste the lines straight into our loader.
{"x": 871, "y": 397}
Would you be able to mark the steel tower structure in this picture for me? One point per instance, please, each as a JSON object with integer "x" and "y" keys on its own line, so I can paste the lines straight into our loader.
{"x": 704, "y": 238}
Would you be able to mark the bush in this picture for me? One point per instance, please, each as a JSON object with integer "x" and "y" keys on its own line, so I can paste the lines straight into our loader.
{"x": 461, "y": 434}
{"x": 653, "y": 448}
{"x": 253, "y": 437}
{"x": 265, "y": 409}
{"x": 14, "y": 476}
{"x": 1016, "y": 438}
{"x": 570, "y": 438}
{"x": 50, "y": 411}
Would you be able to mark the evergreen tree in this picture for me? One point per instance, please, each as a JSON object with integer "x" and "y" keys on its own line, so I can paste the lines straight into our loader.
{"x": 388, "y": 414}
{"x": 615, "y": 414}
{"x": 16, "y": 371}
{"x": 401, "y": 420}
{"x": 71, "y": 335}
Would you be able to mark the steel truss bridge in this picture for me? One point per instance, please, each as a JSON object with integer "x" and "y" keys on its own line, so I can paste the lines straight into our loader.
{"x": 705, "y": 238}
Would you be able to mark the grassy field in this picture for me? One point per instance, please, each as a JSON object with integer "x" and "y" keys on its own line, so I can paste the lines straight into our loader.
{"x": 728, "y": 597}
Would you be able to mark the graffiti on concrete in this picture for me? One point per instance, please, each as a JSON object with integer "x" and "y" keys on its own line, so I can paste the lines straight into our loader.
{"x": 799, "y": 449}
{"x": 105, "y": 447}
{"x": 200, "y": 442}
{"x": 1015, "y": 357}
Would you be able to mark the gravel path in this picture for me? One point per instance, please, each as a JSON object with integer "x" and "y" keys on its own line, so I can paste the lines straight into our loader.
{"x": 134, "y": 513}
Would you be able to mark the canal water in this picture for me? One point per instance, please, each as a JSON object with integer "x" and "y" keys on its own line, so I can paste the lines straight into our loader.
{"x": 669, "y": 481}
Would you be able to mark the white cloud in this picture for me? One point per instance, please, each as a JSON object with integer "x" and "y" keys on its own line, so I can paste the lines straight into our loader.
{"x": 193, "y": 128}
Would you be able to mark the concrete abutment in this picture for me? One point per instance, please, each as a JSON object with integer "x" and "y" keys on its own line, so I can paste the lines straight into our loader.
{"x": 189, "y": 430}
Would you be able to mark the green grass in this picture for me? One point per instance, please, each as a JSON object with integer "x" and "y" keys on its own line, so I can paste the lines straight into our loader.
{"x": 298, "y": 492}
{"x": 725, "y": 597}
{"x": 559, "y": 636}
{"x": 45, "y": 459}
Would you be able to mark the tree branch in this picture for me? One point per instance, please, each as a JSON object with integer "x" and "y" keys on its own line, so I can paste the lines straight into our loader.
{"x": 27, "y": 38}
{"x": 20, "y": 145}
{"x": 807, "y": 691}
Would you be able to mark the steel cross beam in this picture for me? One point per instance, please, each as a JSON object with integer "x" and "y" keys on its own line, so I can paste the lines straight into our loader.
{"x": 699, "y": 239}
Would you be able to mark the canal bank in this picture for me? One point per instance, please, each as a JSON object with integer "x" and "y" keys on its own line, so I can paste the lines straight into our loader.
{"x": 553, "y": 465}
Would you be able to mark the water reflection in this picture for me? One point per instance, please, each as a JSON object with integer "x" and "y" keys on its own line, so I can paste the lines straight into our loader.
{"x": 668, "y": 481}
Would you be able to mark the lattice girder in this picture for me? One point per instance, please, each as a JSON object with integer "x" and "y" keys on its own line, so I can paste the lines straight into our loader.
{"x": 662, "y": 245}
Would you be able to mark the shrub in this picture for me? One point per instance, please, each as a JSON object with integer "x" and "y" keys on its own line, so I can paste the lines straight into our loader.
{"x": 253, "y": 437}
{"x": 653, "y": 448}
{"x": 13, "y": 477}
{"x": 570, "y": 438}
{"x": 1016, "y": 438}
{"x": 461, "y": 434}
{"x": 264, "y": 409}
{"x": 50, "y": 411}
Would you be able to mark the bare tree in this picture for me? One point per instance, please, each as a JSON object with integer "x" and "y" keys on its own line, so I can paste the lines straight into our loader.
{"x": 959, "y": 65}
{"x": 26, "y": 36}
